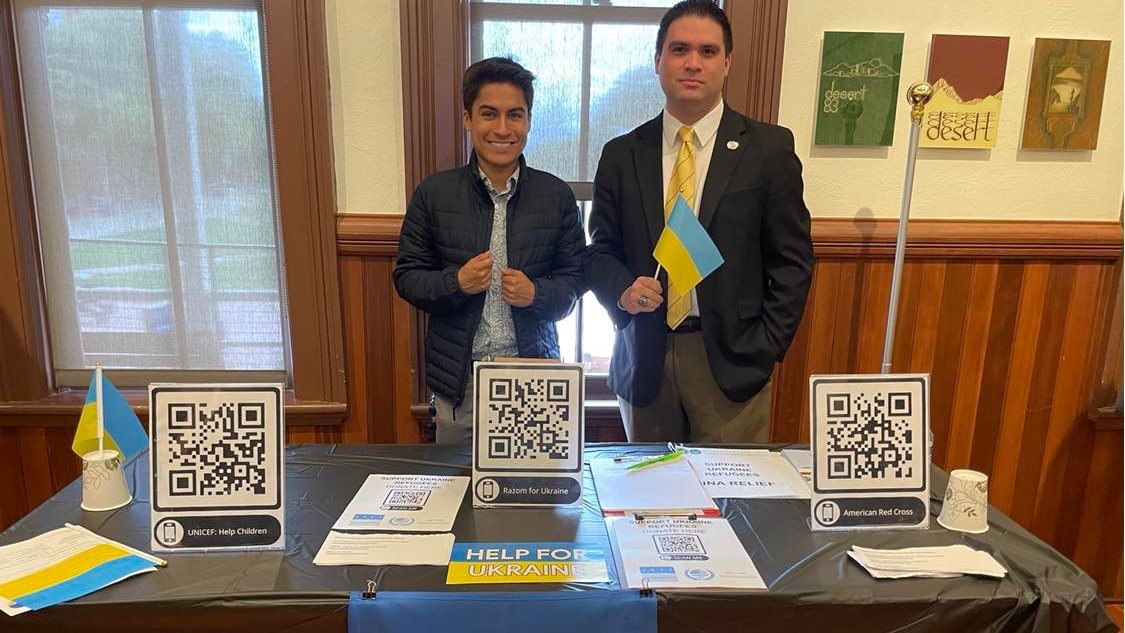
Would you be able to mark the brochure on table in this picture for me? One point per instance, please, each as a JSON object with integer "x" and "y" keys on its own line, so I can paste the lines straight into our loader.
{"x": 405, "y": 503}
{"x": 665, "y": 552}
{"x": 668, "y": 487}
{"x": 217, "y": 466}
{"x": 527, "y": 434}
{"x": 733, "y": 473}
{"x": 870, "y": 461}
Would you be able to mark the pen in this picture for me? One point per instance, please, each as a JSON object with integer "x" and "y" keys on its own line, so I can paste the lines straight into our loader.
{"x": 659, "y": 459}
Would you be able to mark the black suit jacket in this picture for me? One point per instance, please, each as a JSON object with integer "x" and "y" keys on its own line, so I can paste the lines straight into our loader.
{"x": 752, "y": 206}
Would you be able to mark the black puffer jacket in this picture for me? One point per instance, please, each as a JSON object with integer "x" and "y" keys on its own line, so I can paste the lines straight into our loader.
{"x": 448, "y": 222}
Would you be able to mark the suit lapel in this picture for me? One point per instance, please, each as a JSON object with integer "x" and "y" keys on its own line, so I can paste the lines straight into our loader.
{"x": 647, "y": 160}
{"x": 732, "y": 131}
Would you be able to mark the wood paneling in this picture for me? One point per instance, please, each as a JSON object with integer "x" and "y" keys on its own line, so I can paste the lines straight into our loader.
{"x": 754, "y": 82}
{"x": 1013, "y": 333}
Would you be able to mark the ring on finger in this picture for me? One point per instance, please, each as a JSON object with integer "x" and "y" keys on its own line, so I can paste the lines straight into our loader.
{"x": 643, "y": 301}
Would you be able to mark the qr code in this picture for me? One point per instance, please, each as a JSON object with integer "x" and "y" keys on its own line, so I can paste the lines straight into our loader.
{"x": 870, "y": 435}
{"x": 678, "y": 544}
{"x": 217, "y": 452}
{"x": 406, "y": 499}
{"x": 529, "y": 421}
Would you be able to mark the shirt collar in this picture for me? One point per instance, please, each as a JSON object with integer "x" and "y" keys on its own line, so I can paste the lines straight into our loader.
{"x": 705, "y": 128}
{"x": 510, "y": 187}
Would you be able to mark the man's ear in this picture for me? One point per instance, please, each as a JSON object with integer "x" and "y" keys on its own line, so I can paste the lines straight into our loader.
{"x": 466, "y": 119}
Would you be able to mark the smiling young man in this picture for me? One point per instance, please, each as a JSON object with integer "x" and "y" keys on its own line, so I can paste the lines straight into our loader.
{"x": 696, "y": 367}
{"x": 492, "y": 251}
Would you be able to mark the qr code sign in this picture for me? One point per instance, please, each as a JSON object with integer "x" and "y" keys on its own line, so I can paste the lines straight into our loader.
{"x": 671, "y": 544}
{"x": 869, "y": 434}
{"x": 528, "y": 418}
{"x": 215, "y": 449}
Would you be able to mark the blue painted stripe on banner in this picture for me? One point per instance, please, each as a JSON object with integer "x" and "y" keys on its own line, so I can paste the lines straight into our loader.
{"x": 103, "y": 575}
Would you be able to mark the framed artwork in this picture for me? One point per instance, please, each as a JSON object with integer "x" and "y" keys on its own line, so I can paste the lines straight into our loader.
{"x": 1064, "y": 94}
{"x": 967, "y": 74}
{"x": 859, "y": 74}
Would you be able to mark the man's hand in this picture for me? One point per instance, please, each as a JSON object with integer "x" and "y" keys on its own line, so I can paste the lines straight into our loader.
{"x": 645, "y": 295}
{"x": 517, "y": 289}
{"x": 475, "y": 276}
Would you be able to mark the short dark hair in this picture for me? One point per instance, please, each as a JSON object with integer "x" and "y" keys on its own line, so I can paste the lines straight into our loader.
{"x": 698, "y": 8}
{"x": 496, "y": 70}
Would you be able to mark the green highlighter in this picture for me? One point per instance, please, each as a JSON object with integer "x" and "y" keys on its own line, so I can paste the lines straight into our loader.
{"x": 659, "y": 459}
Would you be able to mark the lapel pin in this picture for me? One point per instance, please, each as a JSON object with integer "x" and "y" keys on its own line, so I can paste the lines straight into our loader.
{"x": 732, "y": 144}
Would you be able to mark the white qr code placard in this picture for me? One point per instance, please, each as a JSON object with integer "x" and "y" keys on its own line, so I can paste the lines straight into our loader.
{"x": 216, "y": 466}
{"x": 870, "y": 457}
{"x": 527, "y": 434}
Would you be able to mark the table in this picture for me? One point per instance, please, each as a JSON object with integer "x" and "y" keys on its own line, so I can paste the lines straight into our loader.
{"x": 813, "y": 585}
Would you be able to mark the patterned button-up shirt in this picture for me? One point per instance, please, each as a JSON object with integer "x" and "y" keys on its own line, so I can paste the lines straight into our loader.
{"x": 496, "y": 334}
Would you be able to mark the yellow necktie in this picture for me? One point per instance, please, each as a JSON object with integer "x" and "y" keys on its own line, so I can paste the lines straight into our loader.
{"x": 682, "y": 183}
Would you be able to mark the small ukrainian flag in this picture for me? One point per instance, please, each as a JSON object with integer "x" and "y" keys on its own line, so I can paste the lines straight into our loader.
{"x": 685, "y": 249}
{"x": 123, "y": 430}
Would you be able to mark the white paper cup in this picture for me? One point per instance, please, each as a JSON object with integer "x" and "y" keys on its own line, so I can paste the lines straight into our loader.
{"x": 965, "y": 507}
{"x": 103, "y": 481}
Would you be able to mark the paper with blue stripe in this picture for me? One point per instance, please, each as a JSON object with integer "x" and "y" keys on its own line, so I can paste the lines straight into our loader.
{"x": 503, "y": 612}
{"x": 685, "y": 250}
{"x": 101, "y": 576}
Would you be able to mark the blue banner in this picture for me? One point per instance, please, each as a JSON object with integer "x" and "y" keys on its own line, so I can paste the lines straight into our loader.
{"x": 503, "y": 612}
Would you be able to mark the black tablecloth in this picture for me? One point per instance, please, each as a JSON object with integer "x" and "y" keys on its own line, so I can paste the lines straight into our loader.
{"x": 813, "y": 584}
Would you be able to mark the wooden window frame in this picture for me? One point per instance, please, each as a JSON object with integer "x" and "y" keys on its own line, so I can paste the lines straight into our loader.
{"x": 296, "y": 60}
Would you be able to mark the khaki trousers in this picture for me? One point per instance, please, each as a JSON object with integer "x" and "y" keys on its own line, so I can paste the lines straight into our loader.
{"x": 690, "y": 407}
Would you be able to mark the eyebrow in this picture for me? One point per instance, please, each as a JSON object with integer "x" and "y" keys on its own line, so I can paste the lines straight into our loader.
{"x": 484, "y": 106}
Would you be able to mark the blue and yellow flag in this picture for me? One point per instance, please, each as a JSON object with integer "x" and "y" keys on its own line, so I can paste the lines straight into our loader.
{"x": 123, "y": 431}
{"x": 685, "y": 249}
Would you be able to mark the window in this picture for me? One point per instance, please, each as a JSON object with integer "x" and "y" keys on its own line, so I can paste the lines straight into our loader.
{"x": 595, "y": 80}
{"x": 218, "y": 110}
{"x": 153, "y": 178}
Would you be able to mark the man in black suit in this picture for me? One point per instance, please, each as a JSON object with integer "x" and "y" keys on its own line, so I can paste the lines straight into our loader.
{"x": 699, "y": 370}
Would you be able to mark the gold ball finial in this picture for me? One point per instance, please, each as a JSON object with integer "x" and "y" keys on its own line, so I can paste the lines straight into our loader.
{"x": 918, "y": 95}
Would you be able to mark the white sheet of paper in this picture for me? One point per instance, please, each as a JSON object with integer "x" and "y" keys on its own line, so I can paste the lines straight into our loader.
{"x": 680, "y": 553}
{"x": 746, "y": 474}
{"x": 405, "y": 503}
{"x": 669, "y": 487}
{"x": 341, "y": 548}
{"x": 930, "y": 561}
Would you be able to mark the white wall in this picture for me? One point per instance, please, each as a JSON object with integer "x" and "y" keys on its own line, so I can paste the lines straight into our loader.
{"x": 1002, "y": 183}
{"x": 365, "y": 70}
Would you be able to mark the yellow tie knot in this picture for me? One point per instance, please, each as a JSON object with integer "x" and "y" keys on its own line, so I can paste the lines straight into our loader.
{"x": 686, "y": 134}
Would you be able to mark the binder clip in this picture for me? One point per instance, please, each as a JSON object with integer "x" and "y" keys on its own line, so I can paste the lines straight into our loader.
{"x": 370, "y": 593}
{"x": 638, "y": 518}
{"x": 646, "y": 590}
{"x": 693, "y": 517}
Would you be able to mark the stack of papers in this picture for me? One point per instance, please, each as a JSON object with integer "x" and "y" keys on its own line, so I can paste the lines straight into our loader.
{"x": 801, "y": 459}
{"x": 927, "y": 562}
{"x": 396, "y": 503}
{"x": 62, "y": 565}
{"x": 669, "y": 487}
